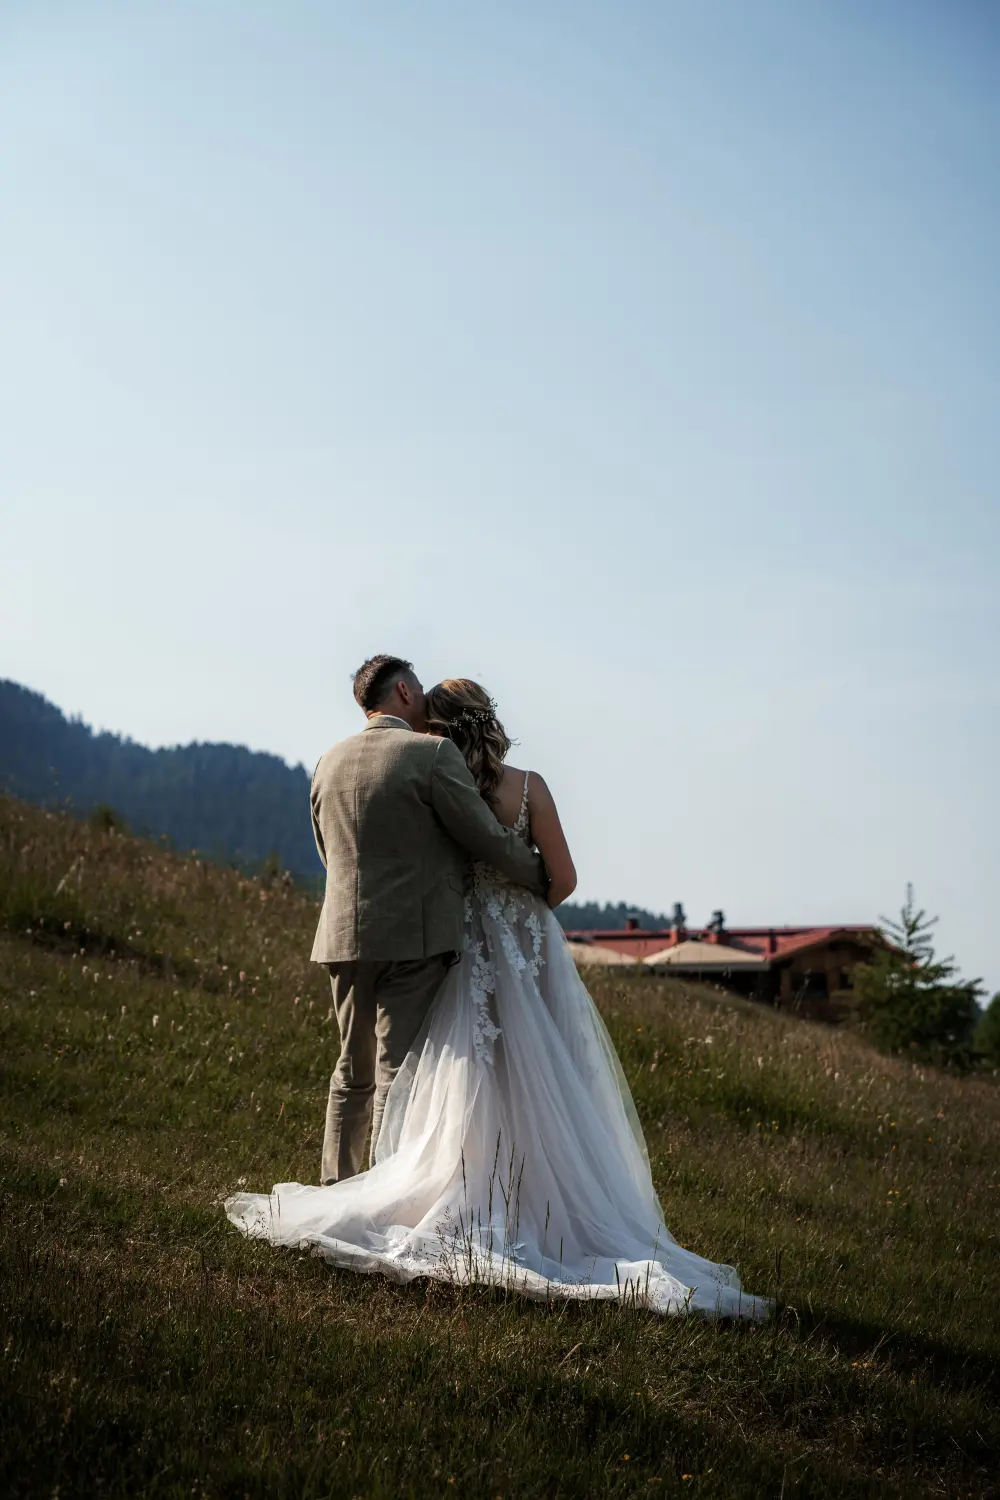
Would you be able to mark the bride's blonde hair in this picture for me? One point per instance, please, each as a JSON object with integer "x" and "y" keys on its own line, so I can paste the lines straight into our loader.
{"x": 461, "y": 710}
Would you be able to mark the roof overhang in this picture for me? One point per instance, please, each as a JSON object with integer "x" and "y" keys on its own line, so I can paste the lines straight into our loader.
{"x": 706, "y": 956}
{"x": 590, "y": 953}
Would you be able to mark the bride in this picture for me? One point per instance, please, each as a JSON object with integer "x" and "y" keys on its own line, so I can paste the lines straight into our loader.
{"x": 510, "y": 1151}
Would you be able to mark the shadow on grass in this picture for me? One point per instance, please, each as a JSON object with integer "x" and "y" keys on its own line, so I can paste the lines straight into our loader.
{"x": 151, "y": 1349}
{"x": 907, "y": 1353}
{"x": 113, "y": 1386}
{"x": 54, "y": 920}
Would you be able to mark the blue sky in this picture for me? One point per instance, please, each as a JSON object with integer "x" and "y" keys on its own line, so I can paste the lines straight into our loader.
{"x": 642, "y": 360}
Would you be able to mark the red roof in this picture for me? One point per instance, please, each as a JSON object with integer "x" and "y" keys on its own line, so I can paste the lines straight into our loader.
{"x": 767, "y": 942}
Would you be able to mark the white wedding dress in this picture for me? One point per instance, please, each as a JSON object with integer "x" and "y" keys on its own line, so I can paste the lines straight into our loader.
{"x": 510, "y": 1151}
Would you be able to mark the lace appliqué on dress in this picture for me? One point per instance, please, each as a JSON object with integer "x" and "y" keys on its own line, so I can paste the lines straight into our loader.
{"x": 514, "y": 924}
{"x": 483, "y": 983}
{"x": 533, "y": 923}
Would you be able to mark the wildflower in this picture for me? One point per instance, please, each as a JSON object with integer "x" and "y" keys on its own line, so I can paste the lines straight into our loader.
{"x": 156, "y": 1020}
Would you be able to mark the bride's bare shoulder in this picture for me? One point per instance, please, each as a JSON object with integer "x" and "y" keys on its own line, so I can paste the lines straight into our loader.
{"x": 511, "y": 790}
{"x": 513, "y": 782}
{"x": 507, "y": 798}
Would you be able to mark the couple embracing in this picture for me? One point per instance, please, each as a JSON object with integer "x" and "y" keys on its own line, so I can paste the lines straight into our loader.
{"x": 505, "y": 1146}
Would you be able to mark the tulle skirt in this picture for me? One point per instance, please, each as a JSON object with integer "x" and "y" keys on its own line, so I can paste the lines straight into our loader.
{"x": 510, "y": 1152}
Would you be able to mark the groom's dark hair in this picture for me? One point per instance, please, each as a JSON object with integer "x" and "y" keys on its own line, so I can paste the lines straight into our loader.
{"x": 375, "y": 676}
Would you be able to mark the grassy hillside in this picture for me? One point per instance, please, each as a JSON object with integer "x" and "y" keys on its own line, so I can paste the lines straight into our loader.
{"x": 164, "y": 1039}
{"x": 229, "y": 802}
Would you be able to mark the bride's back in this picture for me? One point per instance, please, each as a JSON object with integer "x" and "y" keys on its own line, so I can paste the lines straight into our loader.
{"x": 506, "y": 802}
{"x": 464, "y": 711}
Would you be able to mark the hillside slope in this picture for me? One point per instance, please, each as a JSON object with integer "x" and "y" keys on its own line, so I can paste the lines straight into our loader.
{"x": 163, "y": 1039}
{"x": 227, "y": 801}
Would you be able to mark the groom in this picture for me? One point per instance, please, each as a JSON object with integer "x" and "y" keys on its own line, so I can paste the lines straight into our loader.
{"x": 397, "y": 815}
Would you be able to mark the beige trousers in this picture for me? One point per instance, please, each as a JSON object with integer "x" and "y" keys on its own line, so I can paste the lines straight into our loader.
{"x": 380, "y": 1008}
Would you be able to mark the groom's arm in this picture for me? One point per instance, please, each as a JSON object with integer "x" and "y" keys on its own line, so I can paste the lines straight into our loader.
{"x": 314, "y": 811}
{"x": 456, "y": 800}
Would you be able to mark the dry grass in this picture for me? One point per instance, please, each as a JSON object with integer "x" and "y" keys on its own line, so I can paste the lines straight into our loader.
{"x": 164, "y": 1037}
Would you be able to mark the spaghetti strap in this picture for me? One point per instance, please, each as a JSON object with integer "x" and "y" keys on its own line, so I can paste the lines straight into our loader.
{"x": 521, "y": 825}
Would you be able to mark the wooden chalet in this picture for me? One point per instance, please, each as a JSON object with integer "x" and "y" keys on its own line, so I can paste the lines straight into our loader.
{"x": 806, "y": 969}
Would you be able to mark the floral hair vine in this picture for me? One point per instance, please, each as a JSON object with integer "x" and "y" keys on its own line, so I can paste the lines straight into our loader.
{"x": 476, "y": 715}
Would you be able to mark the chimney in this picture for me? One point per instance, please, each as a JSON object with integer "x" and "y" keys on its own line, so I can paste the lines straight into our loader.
{"x": 631, "y": 924}
{"x": 716, "y": 929}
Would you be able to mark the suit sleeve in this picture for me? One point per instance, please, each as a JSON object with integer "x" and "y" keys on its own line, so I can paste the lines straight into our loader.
{"x": 456, "y": 800}
{"x": 317, "y": 832}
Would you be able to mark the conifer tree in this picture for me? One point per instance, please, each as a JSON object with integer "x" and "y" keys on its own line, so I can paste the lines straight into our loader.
{"x": 988, "y": 1033}
{"x": 907, "y": 998}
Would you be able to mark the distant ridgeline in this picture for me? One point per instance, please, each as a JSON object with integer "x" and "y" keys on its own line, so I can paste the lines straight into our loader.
{"x": 228, "y": 802}
{"x": 581, "y": 916}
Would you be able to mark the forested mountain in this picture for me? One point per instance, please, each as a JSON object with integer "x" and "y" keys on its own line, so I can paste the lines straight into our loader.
{"x": 224, "y": 800}
{"x": 578, "y": 916}
{"x": 228, "y": 802}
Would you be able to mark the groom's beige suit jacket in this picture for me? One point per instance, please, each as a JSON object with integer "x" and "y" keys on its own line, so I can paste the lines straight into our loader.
{"x": 397, "y": 816}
